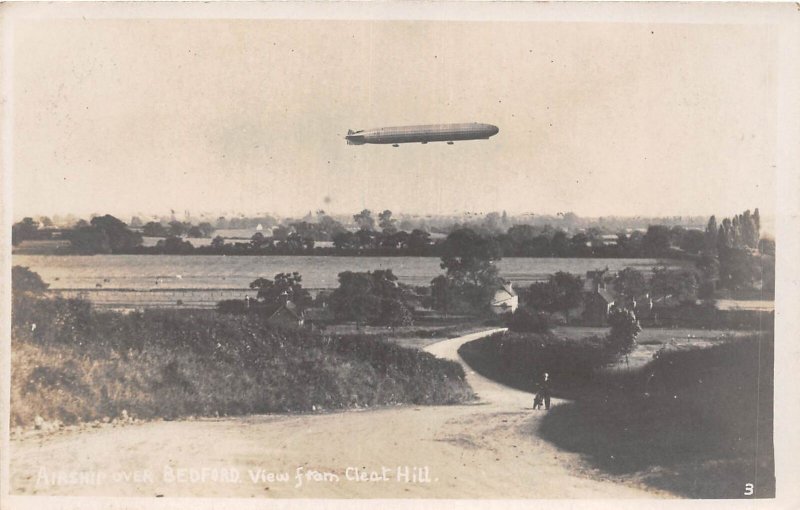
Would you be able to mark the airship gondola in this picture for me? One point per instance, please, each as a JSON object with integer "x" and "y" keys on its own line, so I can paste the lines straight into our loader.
{"x": 422, "y": 134}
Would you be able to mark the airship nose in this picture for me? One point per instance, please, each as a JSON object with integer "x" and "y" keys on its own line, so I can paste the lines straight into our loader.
{"x": 493, "y": 130}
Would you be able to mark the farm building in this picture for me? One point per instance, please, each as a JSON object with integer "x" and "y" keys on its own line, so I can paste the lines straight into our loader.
{"x": 286, "y": 315}
{"x": 596, "y": 305}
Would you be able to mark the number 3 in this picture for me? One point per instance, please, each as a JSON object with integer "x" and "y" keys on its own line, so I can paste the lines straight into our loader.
{"x": 748, "y": 489}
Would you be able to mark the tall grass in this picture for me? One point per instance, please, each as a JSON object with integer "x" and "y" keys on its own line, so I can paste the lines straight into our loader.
{"x": 80, "y": 364}
{"x": 697, "y": 421}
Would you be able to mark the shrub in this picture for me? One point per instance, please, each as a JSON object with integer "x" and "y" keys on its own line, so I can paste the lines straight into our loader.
{"x": 232, "y": 306}
{"x": 693, "y": 421}
{"x": 518, "y": 359}
{"x": 23, "y": 280}
{"x": 525, "y": 320}
{"x": 84, "y": 364}
{"x": 621, "y": 340}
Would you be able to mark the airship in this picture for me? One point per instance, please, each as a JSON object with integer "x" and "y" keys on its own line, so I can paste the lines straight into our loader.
{"x": 422, "y": 134}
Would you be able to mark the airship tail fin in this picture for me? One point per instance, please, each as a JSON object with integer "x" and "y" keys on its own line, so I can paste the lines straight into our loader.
{"x": 350, "y": 131}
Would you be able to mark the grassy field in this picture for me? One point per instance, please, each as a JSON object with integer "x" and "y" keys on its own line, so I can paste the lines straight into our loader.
{"x": 418, "y": 336}
{"x": 650, "y": 340}
{"x": 77, "y": 364}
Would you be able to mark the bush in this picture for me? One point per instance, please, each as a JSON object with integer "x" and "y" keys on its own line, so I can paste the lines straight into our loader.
{"x": 232, "y": 306}
{"x": 518, "y": 360}
{"x": 23, "y": 280}
{"x": 693, "y": 421}
{"x": 84, "y": 364}
{"x": 525, "y": 320}
{"x": 621, "y": 340}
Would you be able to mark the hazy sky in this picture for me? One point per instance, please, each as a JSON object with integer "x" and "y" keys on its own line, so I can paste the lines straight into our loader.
{"x": 233, "y": 115}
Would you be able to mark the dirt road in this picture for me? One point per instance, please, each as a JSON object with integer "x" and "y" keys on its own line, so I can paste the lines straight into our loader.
{"x": 489, "y": 449}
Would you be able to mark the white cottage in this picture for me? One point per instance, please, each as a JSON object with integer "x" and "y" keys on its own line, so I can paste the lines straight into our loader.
{"x": 505, "y": 300}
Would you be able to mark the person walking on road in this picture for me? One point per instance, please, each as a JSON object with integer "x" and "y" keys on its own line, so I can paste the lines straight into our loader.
{"x": 542, "y": 393}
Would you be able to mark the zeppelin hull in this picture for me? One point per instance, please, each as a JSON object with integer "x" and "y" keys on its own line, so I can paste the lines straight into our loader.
{"x": 422, "y": 134}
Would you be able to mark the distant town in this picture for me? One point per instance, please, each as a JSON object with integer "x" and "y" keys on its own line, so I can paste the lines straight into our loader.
{"x": 366, "y": 233}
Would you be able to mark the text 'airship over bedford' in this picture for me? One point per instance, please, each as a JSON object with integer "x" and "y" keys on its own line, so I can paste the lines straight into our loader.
{"x": 422, "y": 134}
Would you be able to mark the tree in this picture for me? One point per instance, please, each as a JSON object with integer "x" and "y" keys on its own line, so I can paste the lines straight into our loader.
{"x": 258, "y": 240}
{"x": 206, "y": 229}
{"x": 630, "y": 283}
{"x": 154, "y": 229}
{"x": 372, "y": 297}
{"x": 418, "y": 241}
{"x": 559, "y": 244}
{"x": 177, "y": 228}
{"x": 712, "y": 231}
{"x": 693, "y": 241}
{"x": 23, "y": 230}
{"x": 218, "y": 243}
{"x": 621, "y": 339}
{"x": 194, "y": 232}
{"x": 89, "y": 240}
{"x": 656, "y": 241}
{"x": 469, "y": 258}
{"x": 386, "y": 223}
{"x": 472, "y": 276}
{"x": 136, "y": 222}
{"x": 26, "y": 281}
{"x": 561, "y": 292}
{"x": 344, "y": 240}
{"x": 364, "y": 220}
{"x": 120, "y": 237}
{"x": 681, "y": 284}
{"x": 174, "y": 245}
{"x": 738, "y": 269}
{"x": 568, "y": 291}
{"x": 285, "y": 287}
{"x": 579, "y": 245}
{"x": 767, "y": 247}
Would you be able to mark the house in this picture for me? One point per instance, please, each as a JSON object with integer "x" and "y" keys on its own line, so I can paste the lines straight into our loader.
{"x": 286, "y": 315}
{"x": 504, "y": 300}
{"x": 597, "y": 304}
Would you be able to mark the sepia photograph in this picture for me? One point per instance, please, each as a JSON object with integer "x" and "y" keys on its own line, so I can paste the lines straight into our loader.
{"x": 465, "y": 251}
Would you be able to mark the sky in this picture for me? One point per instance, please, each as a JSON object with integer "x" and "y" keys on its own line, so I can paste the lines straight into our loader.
{"x": 249, "y": 116}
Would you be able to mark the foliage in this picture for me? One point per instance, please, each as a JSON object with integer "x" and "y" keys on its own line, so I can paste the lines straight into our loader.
{"x": 561, "y": 292}
{"x": 284, "y": 287}
{"x": 526, "y": 320}
{"x": 681, "y": 284}
{"x": 154, "y": 229}
{"x": 372, "y": 297}
{"x": 23, "y": 280}
{"x": 471, "y": 277}
{"x": 120, "y": 237}
{"x": 232, "y": 306}
{"x": 656, "y": 241}
{"x": 174, "y": 245}
{"x": 519, "y": 359}
{"x": 23, "y": 230}
{"x": 621, "y": 340}
{"x": 630, "y": 283}
{"x": 89, "y": 240}
{"x": 83, "y": 365}
{"x": 694, "y": 422}
{"x": 364, "y": 220}
{"x": 386, "y": 223}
